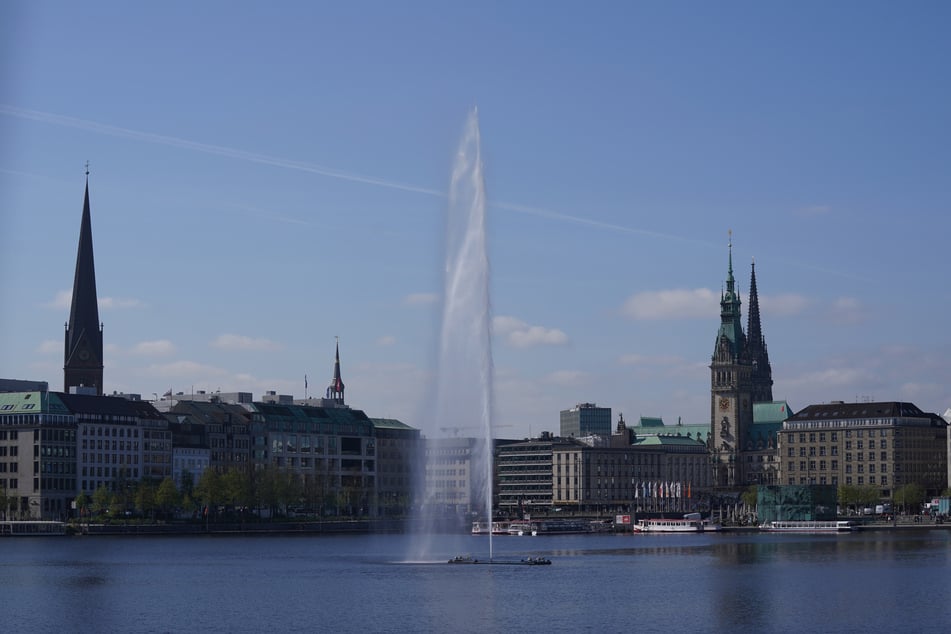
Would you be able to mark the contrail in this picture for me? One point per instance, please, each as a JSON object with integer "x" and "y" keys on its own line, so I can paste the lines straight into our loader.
{"x": 264, "y": 159}
{"x": 219, "y": 150}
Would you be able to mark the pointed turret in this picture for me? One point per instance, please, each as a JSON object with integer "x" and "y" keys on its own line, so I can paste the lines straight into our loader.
{"x": 731, "y": 412}
{"x": 336, "y": 387}
{"x": 762, "y": 373}
{"x": 731, "y": 341}
{"x": 83, "y": 360}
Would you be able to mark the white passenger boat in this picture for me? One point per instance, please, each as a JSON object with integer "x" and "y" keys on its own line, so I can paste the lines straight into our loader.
{"x": 496, "y": 528}
{"x": 689, "y": 523}
{"x": 31, "y": 528}
{"x": 520, "y": 528}
{"x": 808, "y": 526}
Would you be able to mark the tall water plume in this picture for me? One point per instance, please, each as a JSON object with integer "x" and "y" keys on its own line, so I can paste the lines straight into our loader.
{"x": 464, "y": 377}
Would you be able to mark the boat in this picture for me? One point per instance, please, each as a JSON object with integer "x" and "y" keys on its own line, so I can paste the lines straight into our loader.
{"x": 496, "y": 528}
{"x": 520, "y": 528}
{"x": 561, "y": 527}
{"x": 808, "y": 526}
{"x": 31, "y": 528}
{"x": 463, "y": 559}
{"x": 689, "y": 523}
{"x": 528, "y": 561}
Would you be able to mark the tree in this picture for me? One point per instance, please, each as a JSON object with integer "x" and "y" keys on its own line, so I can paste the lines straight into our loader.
{"x": 749, "y": 496}
{"x": 145, "y": 498}
{"x": 237, "y": 489}
{"x": 167, "y": 496}
{"x": 101, "y": 500}
{"x": 82, "y": 504}
{"x": 909, "y": 496}
{"x": 209, "y": 490}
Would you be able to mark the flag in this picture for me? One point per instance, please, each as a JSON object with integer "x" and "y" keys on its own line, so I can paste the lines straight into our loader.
{"x": 305, "y": 381}
{"x": 169, "y": 393}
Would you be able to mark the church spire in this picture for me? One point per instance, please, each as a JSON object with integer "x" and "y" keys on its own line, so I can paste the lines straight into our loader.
{"x": 762, "y": 373}
{"x": 336, "y": 387}
{"x": 83, "y": 342}
{"x": 754, "y": 330}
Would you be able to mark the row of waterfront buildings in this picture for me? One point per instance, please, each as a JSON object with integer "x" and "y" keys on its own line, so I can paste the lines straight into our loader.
{"x": 55, "y": 446}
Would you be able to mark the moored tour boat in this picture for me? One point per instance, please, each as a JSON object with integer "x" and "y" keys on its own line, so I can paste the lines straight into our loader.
{"x": 689, "y": 523}
{"x": 808, "y": 526}
{"x": 496, "y": 528}
{"x": 31, "y": 528}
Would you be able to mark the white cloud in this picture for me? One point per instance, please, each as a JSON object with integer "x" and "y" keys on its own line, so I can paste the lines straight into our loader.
{"x": 420, "y": 299}
{"x": 185, "y": 371}
{"x": 241, "y": 342}
{"x": 386, "y": 340}
{"x": 783, "y": 305}
{"x": 847, "y": 310}
{"x": 156, "y": 348}
{"x": 567, "y": 378}
{"x": 642, "y": 359}
{"x": 676, "y": 303}
{"x": 50, "y": 347}
{"x": 519, "y": 334}
{"x": 63, "y": 300}
{"x": 108, "y": 303}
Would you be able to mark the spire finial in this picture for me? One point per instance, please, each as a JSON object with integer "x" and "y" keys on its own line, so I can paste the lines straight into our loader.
{"x": 87, "y": 168}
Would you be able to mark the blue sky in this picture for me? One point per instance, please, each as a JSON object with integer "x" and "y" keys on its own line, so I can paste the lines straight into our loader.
{"x": 267, "y": 178}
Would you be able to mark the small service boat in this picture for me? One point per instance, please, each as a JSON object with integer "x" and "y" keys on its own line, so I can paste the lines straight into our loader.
{"x": 463, "y": 559}
{"x": 536, "y": 561}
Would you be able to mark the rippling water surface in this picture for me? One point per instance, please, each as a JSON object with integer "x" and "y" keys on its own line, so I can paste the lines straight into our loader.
{"x": 864, "y": 582}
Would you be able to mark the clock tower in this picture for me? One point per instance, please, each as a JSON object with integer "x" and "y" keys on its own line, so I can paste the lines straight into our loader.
{"x": 82, "y": 365}
{"x": 731, "y": 398}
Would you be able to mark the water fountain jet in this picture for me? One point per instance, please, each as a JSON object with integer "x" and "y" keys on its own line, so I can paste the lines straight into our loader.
{"x": 464, "y": 377}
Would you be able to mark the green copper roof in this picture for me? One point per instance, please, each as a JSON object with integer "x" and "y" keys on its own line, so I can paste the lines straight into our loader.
{"x": 31, "y": 403}
{"x": 390, "y": 423}
{"x": 771, "y": 412}
{"x": 665, "y": 440}
{"x": 647, "y": 421}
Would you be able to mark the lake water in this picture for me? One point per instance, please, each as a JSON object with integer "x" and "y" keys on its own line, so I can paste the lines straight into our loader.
{"x": 897, "y": 581}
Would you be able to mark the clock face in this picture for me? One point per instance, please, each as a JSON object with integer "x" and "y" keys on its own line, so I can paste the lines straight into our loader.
{"x": 724, "y": 403}
{"x": 84, "y": 355}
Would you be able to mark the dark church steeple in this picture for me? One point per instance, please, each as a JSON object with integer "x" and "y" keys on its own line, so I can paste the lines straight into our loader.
{"x": 762, "y": 373}
{"x": 83, "y": 361}
{"x": 336, "y": 387}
